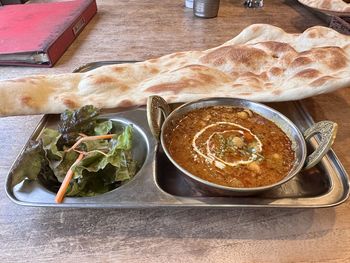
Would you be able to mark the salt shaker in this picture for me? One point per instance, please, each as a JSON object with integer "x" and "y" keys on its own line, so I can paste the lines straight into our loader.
{"x": 206, "y": 8}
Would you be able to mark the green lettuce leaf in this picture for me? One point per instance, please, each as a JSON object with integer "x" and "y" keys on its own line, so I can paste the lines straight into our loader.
{"x": 103, "y": 128}
{"x": 93, "y": 183}
{"x": 30, "y": 164}
{"x": 50, "y": 138}
{"x": 123, "y": 141}
{"x": 83, "y": 120}
{"x": 59, "y": 161}
{"x": 35, "y": 166}
{"x": 101, "y": 145}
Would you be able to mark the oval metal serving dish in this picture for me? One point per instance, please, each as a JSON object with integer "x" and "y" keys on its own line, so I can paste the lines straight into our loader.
{"x": 326, "y": 129}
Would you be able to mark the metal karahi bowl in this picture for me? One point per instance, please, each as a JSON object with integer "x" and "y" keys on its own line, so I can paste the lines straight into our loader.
{"x": 326, "y": 129}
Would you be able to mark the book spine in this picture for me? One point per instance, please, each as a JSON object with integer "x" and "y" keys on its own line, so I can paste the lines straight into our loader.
{"x": 56, "y": 50}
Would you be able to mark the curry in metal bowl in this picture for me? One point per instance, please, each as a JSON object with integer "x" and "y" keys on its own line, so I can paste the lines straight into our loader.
{"x": 230, "y": 146}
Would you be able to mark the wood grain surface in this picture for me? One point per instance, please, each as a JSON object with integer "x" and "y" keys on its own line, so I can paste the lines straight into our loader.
{"x": 138, "y": 30}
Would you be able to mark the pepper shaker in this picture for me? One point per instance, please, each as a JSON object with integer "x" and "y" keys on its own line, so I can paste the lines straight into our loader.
{"x": 206, "y": 8}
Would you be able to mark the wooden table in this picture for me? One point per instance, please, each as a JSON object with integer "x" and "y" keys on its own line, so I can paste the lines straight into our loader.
{"x": 138, "y": 30}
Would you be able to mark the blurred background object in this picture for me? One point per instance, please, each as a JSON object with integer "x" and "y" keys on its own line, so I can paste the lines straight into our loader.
{"x": 254, "y": 3}
{"x": 206, "y": 8}
{"x": 12, "y": 2}
{"x": 189, "y": 3}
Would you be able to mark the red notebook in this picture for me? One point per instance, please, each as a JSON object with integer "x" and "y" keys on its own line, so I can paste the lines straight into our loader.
{"x": 39, "y": 34}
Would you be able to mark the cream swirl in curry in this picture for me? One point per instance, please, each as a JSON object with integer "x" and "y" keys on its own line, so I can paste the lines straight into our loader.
{"x": 227, "y": 143}
{"x": 230, "y": 146}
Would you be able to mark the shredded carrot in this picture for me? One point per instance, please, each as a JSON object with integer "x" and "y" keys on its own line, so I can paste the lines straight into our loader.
{"x": 63, "y": 188}
{"x": 90, "y": 138}
{"x": 86, "y": 153}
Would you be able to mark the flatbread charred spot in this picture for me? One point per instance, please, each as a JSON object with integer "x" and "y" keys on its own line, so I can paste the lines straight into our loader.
{"x": 278, "y": 49}
{"x": 333, "y": 57}
{"x": 177, "y": 55}
{"x": 237, "y": 85}
{"x": 154, "y": 70}
{"x": 171, "y": 64}
{"x": 337, "y": 58}
{"x": 320, "y": 81}
{"x": 125, "y": 103}
{"x": 275, "y": 71}
{"x": 234, "y": 74}
{"x": 236, "y": 55}
{"x": 312, "y": 34}
{"x": 26, "y": 100}
{"x": 98, "y": 80}
{"x": 70, "y": 103}
{"x": 153, "y": 60}
{"x": 308, "y": 74}
{"x": 219, "y": 61}
{"x": 277, "y": 92}
{"x": 119, "y": 69}
{"x": 326, "y": 4}
{"x": 301, "y": 61}
{"x": 104, "y": 81}
{"x": 175, "y": 87}
{"x": 250, "y": 80}
{"x": 36, "y": 96}
{"x": 205, "y": 74}
{"x": 148, "y": 69}
{"x": 206, "y": 78}
{"x": 194, "y": 67}
{"x": 262, "y": 76}
{"x": 255, "y": 28}
{"x": 268, "y": 85}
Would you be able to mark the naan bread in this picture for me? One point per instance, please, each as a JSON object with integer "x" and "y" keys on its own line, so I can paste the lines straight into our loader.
{"x": 262, "y": 63}
{"x": 334, "y": 7}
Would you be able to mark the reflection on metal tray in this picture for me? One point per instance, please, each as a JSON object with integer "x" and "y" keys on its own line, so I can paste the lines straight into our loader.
{"x": 159, "y": 183}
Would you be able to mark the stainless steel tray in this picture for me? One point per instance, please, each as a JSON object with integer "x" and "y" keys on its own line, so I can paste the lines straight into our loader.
{"x": 160, "y": 184}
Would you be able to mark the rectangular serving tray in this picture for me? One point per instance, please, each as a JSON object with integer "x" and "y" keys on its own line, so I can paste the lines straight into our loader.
{"x": 159, "y": 184}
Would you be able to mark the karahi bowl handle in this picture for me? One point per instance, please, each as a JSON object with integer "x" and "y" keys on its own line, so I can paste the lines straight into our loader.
{"x": 156, "y": 106}
{"x": 327, "y": 131}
